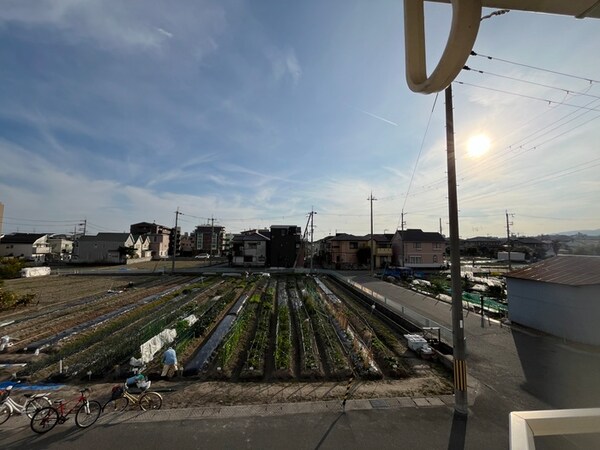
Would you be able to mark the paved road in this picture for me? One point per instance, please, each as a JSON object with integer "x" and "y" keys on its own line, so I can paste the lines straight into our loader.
{"x": 525, "y": 369}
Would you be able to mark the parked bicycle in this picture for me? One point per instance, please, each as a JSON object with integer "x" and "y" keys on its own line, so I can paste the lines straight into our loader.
{"x": 87, "y": 413}
{"x": 121, "y": 397}
{"x": 8, "y": 406}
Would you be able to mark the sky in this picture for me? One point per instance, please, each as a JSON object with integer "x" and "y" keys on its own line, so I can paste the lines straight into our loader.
{"x": 254, "y": 113}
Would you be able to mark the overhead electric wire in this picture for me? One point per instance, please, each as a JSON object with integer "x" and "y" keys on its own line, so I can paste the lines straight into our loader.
{"x": 531, "y": 97}
{"x": 43, "y": 220}
{"x": 493, "y": 58}
{"x": 418, "y": 157}
{"x": 568, "y": 91}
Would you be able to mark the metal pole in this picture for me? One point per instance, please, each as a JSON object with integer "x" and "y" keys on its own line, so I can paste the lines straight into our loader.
{"x": 312, "y": 230}
{"x": 458, "y": 335}
{"x": 174, "y": 241}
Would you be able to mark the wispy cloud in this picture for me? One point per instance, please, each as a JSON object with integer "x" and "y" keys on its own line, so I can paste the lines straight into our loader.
{"x": 284, "y": 64}
{"x": 164, "y": 32}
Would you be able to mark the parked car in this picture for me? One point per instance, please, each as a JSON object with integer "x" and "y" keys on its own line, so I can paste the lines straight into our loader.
{"x": 202, "y": 256}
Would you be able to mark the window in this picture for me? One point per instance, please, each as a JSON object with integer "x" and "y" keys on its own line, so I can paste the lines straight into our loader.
{"x": 437, "y": 246}
{"x": 434, "y": 258}
{"x": 415, "y": 259}
{"x": 252, "y": 245}
{"x": 353, "y": 245}
{"x": 417, "y": 245}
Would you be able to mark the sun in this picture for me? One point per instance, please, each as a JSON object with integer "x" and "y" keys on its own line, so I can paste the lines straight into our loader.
{"x": 478, "y": 145}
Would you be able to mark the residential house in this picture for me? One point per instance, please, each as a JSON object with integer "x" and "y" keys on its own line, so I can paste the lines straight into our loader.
{"x": 209, "y": 239}
{"x": 342, "y": 250}
{"x": 249, "y": 249}
{"x": 187, "y": 244}
{"x": 61, "y": 247}
{"x": 285, "y": 246}
{"x": 105, "y": 248}
{"x": 382, "y": 249}
{"x": 141, "y": 244}
{"x": 482, "y": 246}
{"x": 418, "y": 249}
{"x": 158, "y": 237}
{"x": 31, "y": 246}
{"x": 558, "y": 296}
{"x": 535, "y": 247}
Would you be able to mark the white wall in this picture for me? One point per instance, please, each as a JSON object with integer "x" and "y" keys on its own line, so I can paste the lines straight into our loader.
{"x": 569, "y": 312}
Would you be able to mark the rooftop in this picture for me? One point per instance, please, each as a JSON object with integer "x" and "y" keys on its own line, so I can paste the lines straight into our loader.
{"x": 572, "y": 270}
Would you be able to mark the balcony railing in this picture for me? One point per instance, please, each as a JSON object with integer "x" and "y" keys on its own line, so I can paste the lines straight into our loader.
{"x": 526, "y": 425}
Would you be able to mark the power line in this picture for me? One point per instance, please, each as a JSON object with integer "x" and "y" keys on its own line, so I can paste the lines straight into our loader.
{"x": 534, "y": 67}
{"x": 420, "y": 149}
{"x": 531, "y": 97}
{"x": 43, "y": 220}
{"x": 567, "y": 91}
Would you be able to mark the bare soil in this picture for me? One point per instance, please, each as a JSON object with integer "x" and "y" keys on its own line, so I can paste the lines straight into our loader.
{"x": 427, "y": 378}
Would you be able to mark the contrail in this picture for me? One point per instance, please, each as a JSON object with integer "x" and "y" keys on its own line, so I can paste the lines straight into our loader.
{"x": 376, "y": 117}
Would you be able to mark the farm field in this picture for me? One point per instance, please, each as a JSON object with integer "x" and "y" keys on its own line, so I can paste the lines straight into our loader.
{"x": 238, "y": 334}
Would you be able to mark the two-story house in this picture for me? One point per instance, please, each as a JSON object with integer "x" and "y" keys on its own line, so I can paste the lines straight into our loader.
{"x": 343, "y": 250}
{"x": 418, "y": 249}
{"x": 158, "y": 237}
{"x": 249, "y": 249}
{"x": 31, "y": 246}
{"x": 382, "y": 249}
{"x": 104, "y": 248}
{"x": 61, "y": 247}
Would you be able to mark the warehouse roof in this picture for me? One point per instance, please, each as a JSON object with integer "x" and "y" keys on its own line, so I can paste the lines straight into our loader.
{"x": 572, "y": 270}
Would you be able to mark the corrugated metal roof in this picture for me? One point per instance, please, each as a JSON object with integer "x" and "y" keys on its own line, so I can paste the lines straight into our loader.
{"x": 572, "y": 270}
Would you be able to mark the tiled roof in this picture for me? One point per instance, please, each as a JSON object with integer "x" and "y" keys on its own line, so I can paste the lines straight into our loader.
{"x": 381, "y": 237}
{"x": 483, "y": 239}
{"x": 572, "y": 270}
{"x": 108, "y": 237}
{"x": 21, "y": 238}
{"x": 417, "y": 235}
{"x": 348, "y": 237}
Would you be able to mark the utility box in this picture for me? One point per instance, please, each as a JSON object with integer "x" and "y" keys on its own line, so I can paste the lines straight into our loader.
{"x": 415, "y": 341}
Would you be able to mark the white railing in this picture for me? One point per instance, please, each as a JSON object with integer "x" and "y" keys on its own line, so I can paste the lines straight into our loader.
{"x": 526, "y": 425}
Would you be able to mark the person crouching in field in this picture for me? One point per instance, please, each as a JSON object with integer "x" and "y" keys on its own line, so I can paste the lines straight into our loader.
{"x": 169, "y": 363}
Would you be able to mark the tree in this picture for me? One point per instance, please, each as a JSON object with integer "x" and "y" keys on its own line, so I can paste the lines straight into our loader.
{"x": 126, "y": 252}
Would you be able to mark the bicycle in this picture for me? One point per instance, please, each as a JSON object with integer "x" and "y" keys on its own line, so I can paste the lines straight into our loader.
{"x": 119, "y": 401}
{"x": 8, "y": 406}
{"x": 88, "y": 412}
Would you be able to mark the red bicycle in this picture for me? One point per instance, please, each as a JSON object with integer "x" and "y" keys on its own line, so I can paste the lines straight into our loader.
{"x": 87, "y": 413}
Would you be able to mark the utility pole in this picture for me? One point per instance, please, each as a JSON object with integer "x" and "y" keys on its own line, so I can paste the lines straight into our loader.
{"x": 458, "y": 332}
{"x": 312, "y": 231}
{"x": 212, "y": 234}
{"x": 441, "y": 227}
{"x": 508, "y": 244}
{"x": 402, "y": 223}
{"x": 175, "y": 240}
{"x": 372, "y": 251}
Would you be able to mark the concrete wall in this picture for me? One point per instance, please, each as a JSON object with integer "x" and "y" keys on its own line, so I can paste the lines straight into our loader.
{"x": 569, "y": 312}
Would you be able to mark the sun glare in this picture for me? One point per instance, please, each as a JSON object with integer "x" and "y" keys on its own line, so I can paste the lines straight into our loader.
{"x": 478, "y": 145}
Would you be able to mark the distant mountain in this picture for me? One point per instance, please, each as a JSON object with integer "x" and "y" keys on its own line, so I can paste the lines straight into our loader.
{"x": 588, "y": 232}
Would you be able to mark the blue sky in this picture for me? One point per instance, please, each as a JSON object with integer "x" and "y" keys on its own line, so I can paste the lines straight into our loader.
{"x": 254, "y": 113}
